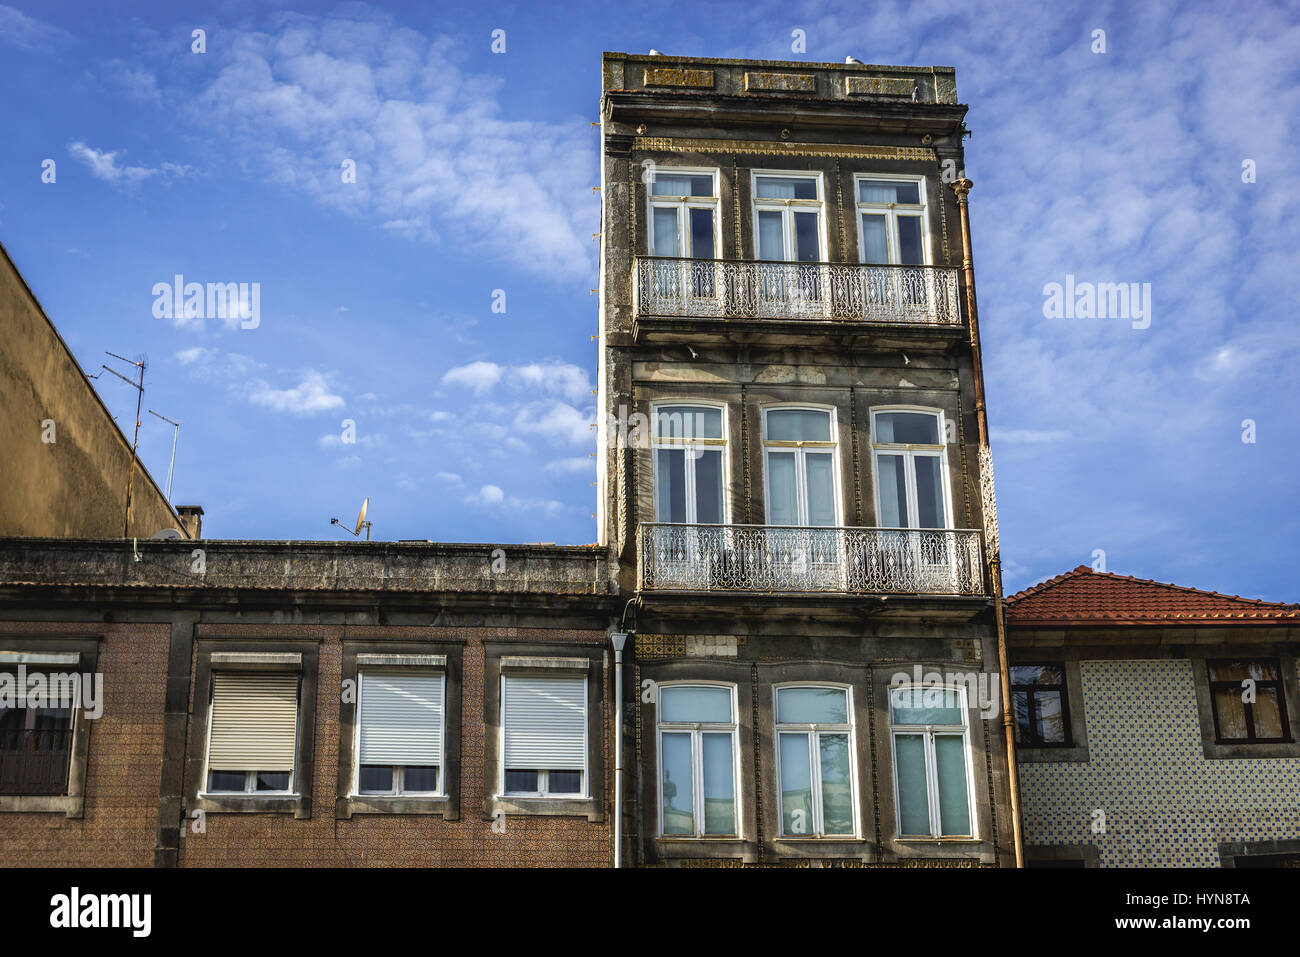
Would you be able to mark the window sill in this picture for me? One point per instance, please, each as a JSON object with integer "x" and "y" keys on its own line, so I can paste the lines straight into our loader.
{"x": 436, "y": 804}
{"x": 590, "y": 808}
{"x": 1226, "y": 751}
{"x": 68, "y": 805}
{"x": 832, "y": 839}
{"x": 233, "y": 803}
{"x": 939, "y": 840}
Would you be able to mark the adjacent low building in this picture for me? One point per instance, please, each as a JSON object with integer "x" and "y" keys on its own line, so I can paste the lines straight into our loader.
{"x": 1157, "y": 726}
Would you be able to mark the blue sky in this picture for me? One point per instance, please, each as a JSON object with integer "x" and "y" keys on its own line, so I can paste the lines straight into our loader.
{"x": 474, "y": 172}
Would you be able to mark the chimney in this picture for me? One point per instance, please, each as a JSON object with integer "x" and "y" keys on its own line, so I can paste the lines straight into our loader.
{"x": 191, "y": 517}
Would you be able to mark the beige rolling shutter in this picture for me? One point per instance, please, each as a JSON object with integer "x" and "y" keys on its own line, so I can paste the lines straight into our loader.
{"x": 545, "y": 723}
{"x": 401, "y": 718}
{"x": 254, "y": 721}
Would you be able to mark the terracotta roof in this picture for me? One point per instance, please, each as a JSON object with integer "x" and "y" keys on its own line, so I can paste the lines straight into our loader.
{"x": 1084, "y": 596}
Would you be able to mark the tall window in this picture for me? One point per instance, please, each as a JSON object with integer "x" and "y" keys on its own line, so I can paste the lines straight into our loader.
{"x": 400, "y": 732}
{"x": 788, "y": 217}
{"x": 1249, "y": 702}
{"x": 1042, "y": 712}
{"x": 689, "y": 445}
{"x": 931, "y": 771}
{"x": 799, "y": 465}
{"x": 891, "y": 220}
{"x": 814, "y": 735}
{"x": 697, "y": 760}
{"x": 36, "y": 742}
{"x": 253, "y": 735}
{"x": 683, "y": 212}
{"x": 544, "y": 727}
{"x": 910, "y": 456}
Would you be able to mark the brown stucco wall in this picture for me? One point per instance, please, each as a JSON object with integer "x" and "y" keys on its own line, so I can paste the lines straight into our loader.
{"x": 76, "y": 485}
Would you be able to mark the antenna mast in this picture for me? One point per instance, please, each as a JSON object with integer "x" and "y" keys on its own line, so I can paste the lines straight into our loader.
{"x": 175, "y": 438}
{"x": 135, "y": 443}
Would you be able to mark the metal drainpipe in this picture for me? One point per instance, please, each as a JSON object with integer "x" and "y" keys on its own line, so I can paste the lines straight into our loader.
{"x": 962, "y": 188}
{"x": 618, "y": 638}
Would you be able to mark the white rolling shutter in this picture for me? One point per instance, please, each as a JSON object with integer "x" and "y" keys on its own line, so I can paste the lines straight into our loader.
{"x": 401, "y": 718}
{"x": 254, "y": 722}
{"x": 545, "y": 723}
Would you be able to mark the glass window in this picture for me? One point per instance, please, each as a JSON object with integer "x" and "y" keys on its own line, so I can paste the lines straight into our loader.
{"x": 36, "y": 742}
{"x": 697, "y": 760}
{"x": 544, "y": 735}
{"x": 814, "y": 734}
{"x": 931, "y": 770}
{"x": 683, "y": 220}
{"x": 788, "y": 228}
{"x": 891, "y": 221}
{"x": 1249, "y": 702}
{"x": 799, "y": 452}
{"x": 690, "y": 464}
{"x": 400, "y": 724}
{"x": 909, "y": 455}
{"x": 1039, "y": 698}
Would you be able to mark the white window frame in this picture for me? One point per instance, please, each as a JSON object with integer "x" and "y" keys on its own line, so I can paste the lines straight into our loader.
{"x": 399, "y": 771}
{"x": 891, "y": 212}
{"x": 910, "y": 453}
{"x": 928, "y": 732}
{"x": 692, "y": 445}
{"x": 683, "y": 205}
{"x": 787, "y": 207}
{"x": 543, "y": 774}
{"x": 814, "y": 732}
{"x": 801, "y": 475}
{"x": 697, "y": 729}
{"x": 250, "y": 774}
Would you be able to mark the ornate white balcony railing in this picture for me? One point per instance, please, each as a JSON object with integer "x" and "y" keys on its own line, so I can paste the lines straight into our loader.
{"x": 783, "y": 558}
{"x": 735, "y": 289}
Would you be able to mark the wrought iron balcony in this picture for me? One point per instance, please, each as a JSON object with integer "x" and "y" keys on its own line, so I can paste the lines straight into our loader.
{"x": 842, "y": 292}
{"x": 791, "y": 559}
{"x": 34, "y": 761}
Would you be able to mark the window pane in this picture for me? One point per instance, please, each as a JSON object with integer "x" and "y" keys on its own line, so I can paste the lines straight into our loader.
{"x": 796, "y": 785}
{"x": 837, "y": 785}
{"x": 665, "y": 231}
{"x": 913, "y": 799}
{"x": 227, "y": 780}
{"x": 910, "y": 251}
{"x": 812, "y": 706}
{"x": 521, "y": 782}
{"x": 695, "y": 703}
{"x": 708, "y": 486}
{"x": 820, "y": 484}
{"x": 783, "y": 504}
{"x": 954, "y": 806}
{"x": 893, "y": 491}
{"x": 807, "y": 248}
{"x": 918, "y": 704}
{"x": 1020, "y": 700}
{"x": 420, "y": 779}
{"x": 681, "y": 184}
{"x": 1232, "y": 713}
{"x": 1037, "y": 675}
{"x": 719, "y": 785}
{"x": 1240, "y": 670}
{"x": 929, "y": 492}
{"x": 375, "y": 778}
{"x": 273, "y": 780}
{"x": 798, "y": 425}
{"x": 875, "y": 245}
{"x": 702, "y": 233}
{"x": 907, "y": 428}
{"x": 1267, "y": 715}
{"x": 786, "y": 187}
{"x": 888, "y": 191}
{"x": 771, "y": 243}
{"x": 688, "y": 422}
{"x": 678, "y": 813}
{"x": 670, "y": 485}
{"x": 1051, "y": 723}
{"x": 564, "y": 782}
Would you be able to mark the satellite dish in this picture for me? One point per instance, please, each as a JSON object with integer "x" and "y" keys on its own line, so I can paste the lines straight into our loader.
{"x": 361, "y": 518}
{"x": 167, "y": 534}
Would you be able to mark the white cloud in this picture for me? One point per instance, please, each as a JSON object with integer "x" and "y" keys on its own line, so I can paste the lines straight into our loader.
{"x": 491, "y": 496}
{"x": 451, "y": 478}
{"x": 310, "y": 396}
{"x": 487, "y": 495}
{"x": 434, "y": 156}
{"x": 477, "y": 377}
{"x": 556, "y": 422}
{"x": 103, "y": 165}
{"x": 570, "y": 466}
{"x": 27, "y": 32}
{"x": 555, "y": 377}
{"x": 1026, "y": 436}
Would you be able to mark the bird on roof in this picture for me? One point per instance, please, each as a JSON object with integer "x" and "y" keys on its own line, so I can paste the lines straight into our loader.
{"x": 852, "y": 59}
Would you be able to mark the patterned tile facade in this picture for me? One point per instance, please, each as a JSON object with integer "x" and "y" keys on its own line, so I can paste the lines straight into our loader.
{"x": 1165, "y": 803}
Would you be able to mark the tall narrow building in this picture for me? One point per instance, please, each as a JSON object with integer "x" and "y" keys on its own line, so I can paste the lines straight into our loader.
{"x": 793, "y": 468}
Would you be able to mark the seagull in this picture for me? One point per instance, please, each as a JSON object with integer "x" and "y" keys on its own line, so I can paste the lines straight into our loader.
{"x": 654, "y": 52}
{"x": 852, "y": 59}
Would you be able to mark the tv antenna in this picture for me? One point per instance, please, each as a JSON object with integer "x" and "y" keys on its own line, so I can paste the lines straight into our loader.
{"x": 175, "y": 438}
{"x": 361, "y": 522}
{"x": 139, "y": 365}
